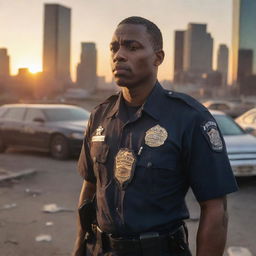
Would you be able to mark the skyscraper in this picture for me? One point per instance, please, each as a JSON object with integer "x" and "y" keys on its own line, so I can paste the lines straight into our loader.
{"x": 4, "y": 63}
{"x": 178, "y": 55}
{"x": 198, "y": 48}
{"x": 87, "y": 68}
{"x": 222, "y": 62}
{"x": 244, "y": 45}
{"x": 56, "y": 44}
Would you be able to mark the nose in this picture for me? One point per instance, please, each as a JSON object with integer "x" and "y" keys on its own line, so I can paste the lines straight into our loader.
{"x": 119, "y": 55}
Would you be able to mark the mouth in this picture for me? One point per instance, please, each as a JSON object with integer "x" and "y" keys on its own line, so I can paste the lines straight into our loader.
{"x": 119, "y": 70}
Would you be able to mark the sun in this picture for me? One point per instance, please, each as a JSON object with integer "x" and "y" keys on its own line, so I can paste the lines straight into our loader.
{"x": 34, "y": 69}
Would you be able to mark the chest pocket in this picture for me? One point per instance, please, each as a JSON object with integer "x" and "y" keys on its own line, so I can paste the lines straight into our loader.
{"x": 99, "y": 153}
{"x": 160, "y": 168}
{"x": 160, "y": 157}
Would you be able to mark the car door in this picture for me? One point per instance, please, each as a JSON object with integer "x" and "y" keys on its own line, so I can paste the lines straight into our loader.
{"x": 12, "y": 125}
{"x": 35, "y": 131}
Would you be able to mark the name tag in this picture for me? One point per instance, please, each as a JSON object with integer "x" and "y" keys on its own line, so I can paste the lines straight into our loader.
{"x": 98, "y": 138}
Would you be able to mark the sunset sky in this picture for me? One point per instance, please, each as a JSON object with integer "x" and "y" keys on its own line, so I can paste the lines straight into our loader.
{"x": 21, "y": 27}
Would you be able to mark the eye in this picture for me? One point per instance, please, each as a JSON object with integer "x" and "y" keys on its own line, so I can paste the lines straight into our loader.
{"x": 132, "y": 47}
{"x": 114, "y": 48}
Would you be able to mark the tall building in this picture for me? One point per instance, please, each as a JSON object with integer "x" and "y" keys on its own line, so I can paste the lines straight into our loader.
{"x": 244, "y": 45}
{"x": 4, "y": 63}
{"x": 198, "y": 49}
{"x": 87, "y": 68}
{"x": 178, "y": 55}
{"x": 56, "y": 43}
{"x": 222, "y": 62}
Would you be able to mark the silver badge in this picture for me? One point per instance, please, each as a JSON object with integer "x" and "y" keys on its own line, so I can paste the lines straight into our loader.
{"x": 156, "y": 136}
{"x": 212, "y": 133}
{"x": 124, "y": 165}
{"x": 98, "y": 136}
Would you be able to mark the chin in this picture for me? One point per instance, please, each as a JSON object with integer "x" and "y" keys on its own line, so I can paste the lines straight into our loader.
{"x": 122, "y": 82}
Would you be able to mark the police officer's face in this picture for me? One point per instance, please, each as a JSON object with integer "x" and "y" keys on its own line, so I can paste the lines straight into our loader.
{"x": 133, "y": 59}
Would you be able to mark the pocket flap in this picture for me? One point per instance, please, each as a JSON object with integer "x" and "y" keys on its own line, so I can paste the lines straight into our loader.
{"x": 99, "y": 152}
{"x": 157, "y": 159}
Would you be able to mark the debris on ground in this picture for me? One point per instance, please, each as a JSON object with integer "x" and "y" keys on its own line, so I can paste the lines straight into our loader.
{"x": 43, "y": 238}
{"x": 238, "y": 251}
{"x": 11, "y": 241}
{"x": 3, "y": 171}
{"x": 49, "y": 223}
{"x": 8, "y": 175}
{"x": 53, "y": 208}
{"x": 194, "y": 218}
{"x": 8, "y": 206}
{"x": 33, "y": 192}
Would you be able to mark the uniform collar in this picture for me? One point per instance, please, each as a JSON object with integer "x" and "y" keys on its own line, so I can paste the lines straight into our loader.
{"x": 151, "y": 106}
{"x": 153, "y": 103}
{"x": 114, "y": 111}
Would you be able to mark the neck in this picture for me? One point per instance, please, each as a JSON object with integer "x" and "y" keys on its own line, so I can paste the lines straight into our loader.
{"x": 137, "y": 95}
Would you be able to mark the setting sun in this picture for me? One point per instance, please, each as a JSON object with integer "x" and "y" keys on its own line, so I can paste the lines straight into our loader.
{"x": 34, "y": 69}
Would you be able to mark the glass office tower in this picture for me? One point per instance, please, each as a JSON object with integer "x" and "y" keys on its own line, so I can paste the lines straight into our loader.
{"x": 244, "y": 45}
{"x": 57, "y": 42}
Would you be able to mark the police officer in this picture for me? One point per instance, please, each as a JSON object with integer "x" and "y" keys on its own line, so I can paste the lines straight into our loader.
{"x": 143, "y": 149}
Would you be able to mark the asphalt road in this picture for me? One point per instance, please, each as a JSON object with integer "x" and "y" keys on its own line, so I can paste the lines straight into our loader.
{"x": 59, "y": 182}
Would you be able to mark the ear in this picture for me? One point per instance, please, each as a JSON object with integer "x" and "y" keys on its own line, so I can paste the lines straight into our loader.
{"x": 159, "y": 58}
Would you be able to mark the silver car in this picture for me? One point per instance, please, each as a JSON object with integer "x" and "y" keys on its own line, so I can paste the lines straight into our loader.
{"x": 241, "y": 146}
{"x": 248, "y": 121}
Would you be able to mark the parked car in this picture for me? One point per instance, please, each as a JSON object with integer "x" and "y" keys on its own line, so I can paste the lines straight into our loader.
{"x": 231, "y": 108}
{"x": 241, "y": 146}
{"x": 54, "y": 128}
{"x": 248, "y": 121}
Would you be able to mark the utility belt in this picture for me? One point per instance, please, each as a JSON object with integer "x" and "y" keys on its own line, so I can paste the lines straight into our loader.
{"x": 146, "y": 244}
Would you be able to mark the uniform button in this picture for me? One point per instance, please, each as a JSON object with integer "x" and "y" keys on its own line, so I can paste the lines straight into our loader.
{"x": 170, "y": 93}
{"x": 149, "y": 164}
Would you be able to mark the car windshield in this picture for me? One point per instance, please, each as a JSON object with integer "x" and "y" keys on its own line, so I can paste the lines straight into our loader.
{"x": 66, "y": 114}
{"x": 228, "y": 126}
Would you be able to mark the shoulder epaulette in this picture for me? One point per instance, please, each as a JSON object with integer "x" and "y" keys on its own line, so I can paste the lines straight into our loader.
{"x": 190, "y": 101}
{"x": 110, "y": 99}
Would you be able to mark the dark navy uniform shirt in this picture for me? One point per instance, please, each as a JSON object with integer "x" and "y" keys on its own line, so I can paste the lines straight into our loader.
{"x": 192, "y": 155}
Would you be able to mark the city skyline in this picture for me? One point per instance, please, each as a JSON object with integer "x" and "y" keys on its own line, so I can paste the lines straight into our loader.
{"x": 56, "y": 42}
{"x": 95, "y": 21}
{"x": 87, "y": 67}
{"x": 244, "y": 46}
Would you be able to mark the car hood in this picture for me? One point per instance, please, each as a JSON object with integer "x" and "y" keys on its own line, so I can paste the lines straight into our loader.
{"x": 78, "y": 126}
{"x": 240, "y": 143}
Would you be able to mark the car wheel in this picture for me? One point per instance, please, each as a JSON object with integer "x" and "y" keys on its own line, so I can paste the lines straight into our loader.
{"x": 2, "y": 145}
{"x": 59, "y": 147}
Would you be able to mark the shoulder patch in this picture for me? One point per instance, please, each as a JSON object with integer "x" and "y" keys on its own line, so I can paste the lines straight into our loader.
{"x": 211, "y": 133}
{"x": 187, "y": 99}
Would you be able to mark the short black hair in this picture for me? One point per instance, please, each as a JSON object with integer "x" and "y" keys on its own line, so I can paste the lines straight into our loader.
{"x": 152, "y": 30}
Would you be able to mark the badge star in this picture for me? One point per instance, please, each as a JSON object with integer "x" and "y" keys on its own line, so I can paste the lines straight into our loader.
{"x": 99, "y": 131}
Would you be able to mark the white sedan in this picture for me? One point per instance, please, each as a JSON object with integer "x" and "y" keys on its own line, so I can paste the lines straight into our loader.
{"x": 248, "y": 121}
{"x": 241, "y": 146}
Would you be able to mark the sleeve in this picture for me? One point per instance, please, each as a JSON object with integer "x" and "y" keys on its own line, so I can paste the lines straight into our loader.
{"x": 207, "y": 164}
{"x": 85, "y": 163}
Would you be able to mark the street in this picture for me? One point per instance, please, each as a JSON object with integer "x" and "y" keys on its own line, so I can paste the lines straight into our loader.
{"x": 22, "y": 201}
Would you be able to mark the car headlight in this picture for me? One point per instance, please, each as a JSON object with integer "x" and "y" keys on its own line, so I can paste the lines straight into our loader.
{"x": 77, "y": 135}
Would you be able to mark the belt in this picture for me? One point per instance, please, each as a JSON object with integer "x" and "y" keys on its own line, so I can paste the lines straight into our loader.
{"x": 150, "y": 243}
